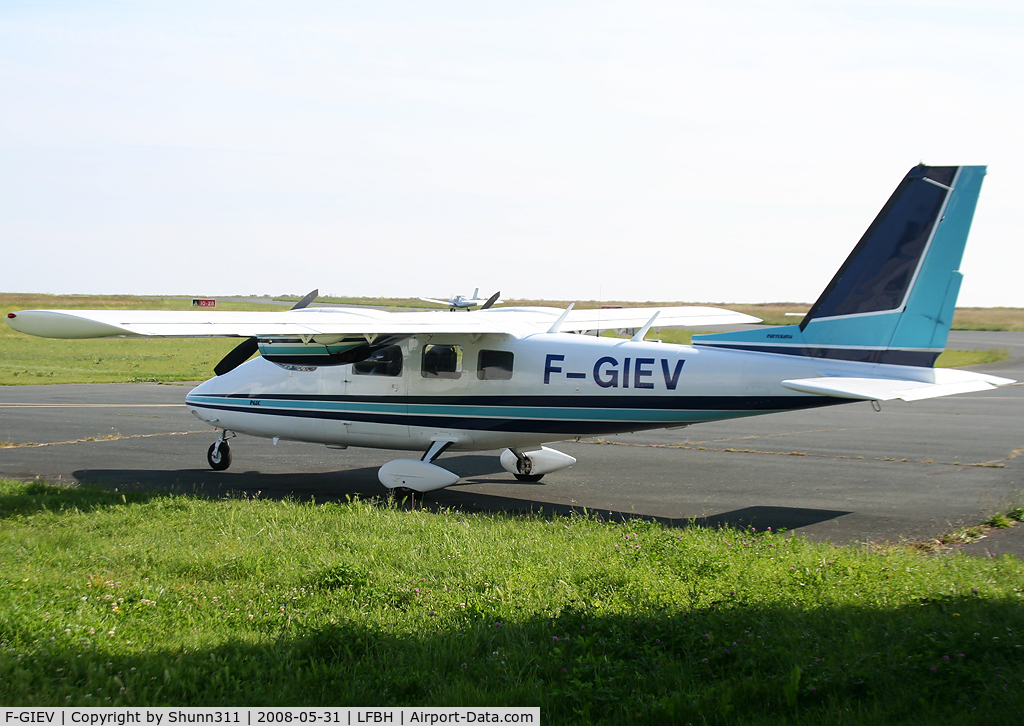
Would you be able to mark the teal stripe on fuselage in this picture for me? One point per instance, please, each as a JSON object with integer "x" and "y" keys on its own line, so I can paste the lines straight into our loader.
{"x": 523, "y": 413}
{"x": 283, "y": 349}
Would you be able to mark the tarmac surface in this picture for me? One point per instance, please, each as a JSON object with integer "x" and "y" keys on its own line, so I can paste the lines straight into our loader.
{"x": 843, "y": 473}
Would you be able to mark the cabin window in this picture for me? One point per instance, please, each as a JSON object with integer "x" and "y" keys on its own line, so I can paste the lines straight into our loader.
{"x": 384, "y": 362}
{"x": 494, "y": 365}
{"x": 442, "y": 361}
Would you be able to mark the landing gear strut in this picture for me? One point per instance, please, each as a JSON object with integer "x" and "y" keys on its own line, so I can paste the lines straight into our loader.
{"x": 524, "y": 464}
{"x": 219, "y": 453}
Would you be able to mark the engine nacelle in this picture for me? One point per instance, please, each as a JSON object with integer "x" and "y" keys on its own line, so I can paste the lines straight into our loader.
{"x": 416, "y": 475}
{"x": 543, "y": 461}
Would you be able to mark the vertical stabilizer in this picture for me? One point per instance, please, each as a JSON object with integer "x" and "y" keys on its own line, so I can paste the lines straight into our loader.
{"x": 892, "y": 300}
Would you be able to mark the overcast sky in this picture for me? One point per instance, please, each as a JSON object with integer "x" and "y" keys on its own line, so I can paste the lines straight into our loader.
{"x": 693, "y": 151}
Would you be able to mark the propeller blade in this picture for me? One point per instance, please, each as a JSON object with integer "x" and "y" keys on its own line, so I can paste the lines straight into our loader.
{"x": 304, "y": 302}
{"x": 245, "y": 350}
{"x": 491, "y": 300}
{"x": 238, "y": 355}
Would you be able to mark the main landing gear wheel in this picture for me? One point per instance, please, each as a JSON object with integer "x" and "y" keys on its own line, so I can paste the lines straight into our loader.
{"x": 219, "y": 456}
{"x": 528, "y": 477}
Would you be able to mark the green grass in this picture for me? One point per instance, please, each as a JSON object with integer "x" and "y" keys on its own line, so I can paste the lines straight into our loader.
{"x": 958, "y": 358}
{"x": 25, "y": 359}
{"x": 111, "y": 598}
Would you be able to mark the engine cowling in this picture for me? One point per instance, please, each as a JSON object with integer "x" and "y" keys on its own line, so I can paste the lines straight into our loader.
{"x": 542, "y": 461}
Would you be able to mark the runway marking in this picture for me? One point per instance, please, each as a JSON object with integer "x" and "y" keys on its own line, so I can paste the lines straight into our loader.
{"x": 691, "y": 446}
{"x": 96, "y": 439}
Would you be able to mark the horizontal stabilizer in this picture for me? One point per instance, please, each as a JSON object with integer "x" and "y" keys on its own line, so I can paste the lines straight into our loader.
{"x": 947, "y": 382}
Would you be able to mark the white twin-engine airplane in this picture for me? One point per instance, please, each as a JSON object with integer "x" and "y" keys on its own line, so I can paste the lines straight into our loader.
{"x": 519, "y": 378}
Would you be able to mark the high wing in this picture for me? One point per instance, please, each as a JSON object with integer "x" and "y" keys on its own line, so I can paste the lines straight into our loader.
{"x": 433, "y": 300}
{"x": 310, "y": 322}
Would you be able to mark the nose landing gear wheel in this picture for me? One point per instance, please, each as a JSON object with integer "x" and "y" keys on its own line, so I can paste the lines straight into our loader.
{"x": 528, "y": 477}
{"x": 219, "y": 456}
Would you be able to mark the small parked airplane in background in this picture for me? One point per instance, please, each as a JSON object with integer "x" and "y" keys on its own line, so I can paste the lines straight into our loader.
{"x": 519, "y": 378}
{"x": 460, "y": 302}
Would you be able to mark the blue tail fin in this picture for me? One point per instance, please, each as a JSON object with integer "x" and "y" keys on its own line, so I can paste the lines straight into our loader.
{"x": 892, "y": 301}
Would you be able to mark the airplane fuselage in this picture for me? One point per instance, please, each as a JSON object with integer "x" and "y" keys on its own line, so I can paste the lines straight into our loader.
{"x": 505, "y": 391}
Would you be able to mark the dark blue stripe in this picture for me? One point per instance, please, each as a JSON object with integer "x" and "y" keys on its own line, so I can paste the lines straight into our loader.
{"x": 740, "y": 406}
{"x": 890, "y": 356}
{"x": 659, "y": 403}
{"x": 573, "y": 428}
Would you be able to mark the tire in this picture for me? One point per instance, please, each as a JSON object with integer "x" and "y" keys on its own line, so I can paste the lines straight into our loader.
{"x": 528, "y": 477}
{"x": 220, "y": 459}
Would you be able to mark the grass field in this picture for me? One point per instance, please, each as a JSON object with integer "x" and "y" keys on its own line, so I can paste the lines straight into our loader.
{"x": 111, "y": 598}
{"x": 988, "y": 319}
{"x": 28, "y": 360}
{"x": 25, "y": 359}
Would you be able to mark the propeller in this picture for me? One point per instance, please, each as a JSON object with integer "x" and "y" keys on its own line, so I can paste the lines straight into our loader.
{"x": 304, "y": 302}
{"x": 491, "y": 300}
{"x": 245, "y": 350}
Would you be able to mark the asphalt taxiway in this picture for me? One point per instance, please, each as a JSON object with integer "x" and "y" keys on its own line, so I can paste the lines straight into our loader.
{"x": 842, "y": 473}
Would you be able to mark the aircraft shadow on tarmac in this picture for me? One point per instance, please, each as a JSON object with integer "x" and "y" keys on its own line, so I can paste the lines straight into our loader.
{"x": 363, "y": 483}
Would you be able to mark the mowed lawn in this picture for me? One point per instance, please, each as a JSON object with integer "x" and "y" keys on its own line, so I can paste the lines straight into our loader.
{"x": 130, "y": 598}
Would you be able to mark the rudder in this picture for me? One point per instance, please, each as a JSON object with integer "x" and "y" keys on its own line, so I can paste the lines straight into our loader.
{"x": 892, "y": 300}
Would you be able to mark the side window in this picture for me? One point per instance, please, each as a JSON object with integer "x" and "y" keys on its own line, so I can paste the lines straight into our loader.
{"x": 494, "y": 365}
{"x": 442, "y": 361}
{"x": 384, "y": 362}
